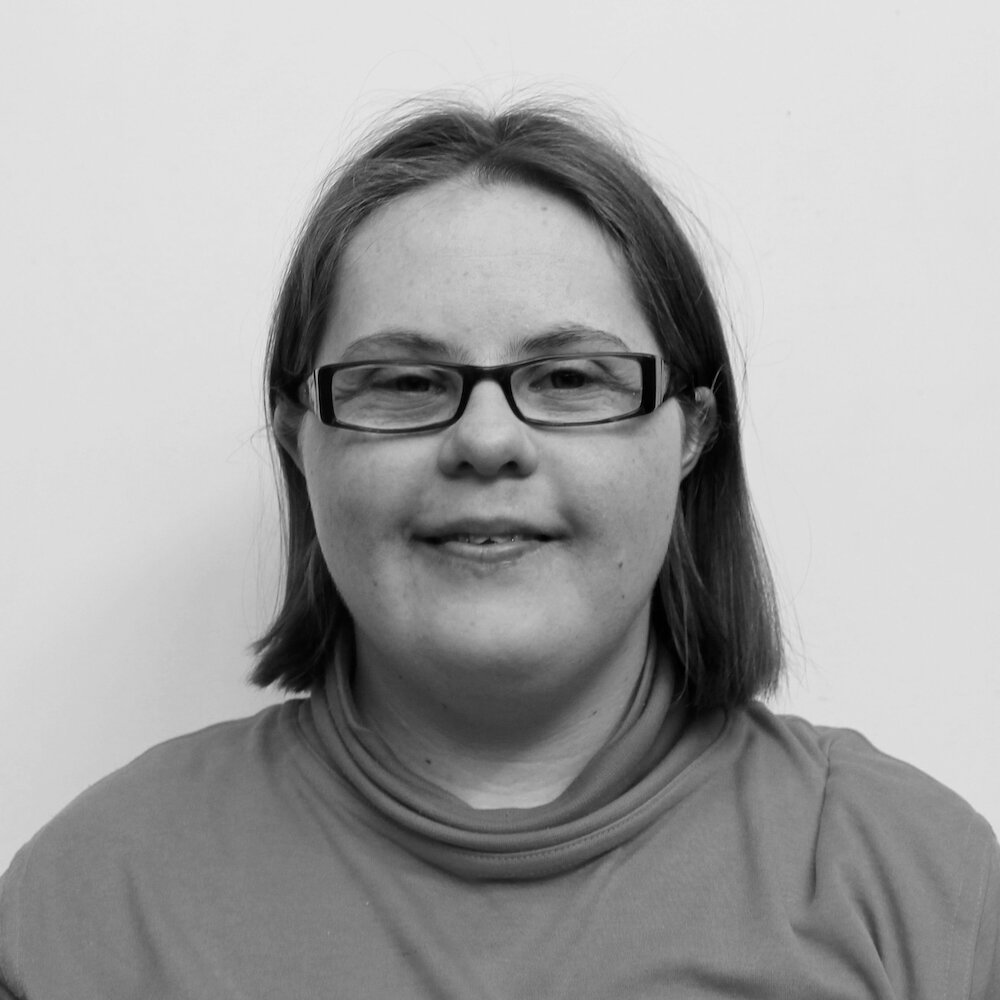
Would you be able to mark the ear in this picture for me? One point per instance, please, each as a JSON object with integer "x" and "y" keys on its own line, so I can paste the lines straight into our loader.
{"x": 286, "y": 422}
{"x": 701, "y": 422}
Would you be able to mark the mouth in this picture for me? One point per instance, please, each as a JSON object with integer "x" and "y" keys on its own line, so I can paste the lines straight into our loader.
{"x": 484, "y": 542}
{"x": 499, "y": 538}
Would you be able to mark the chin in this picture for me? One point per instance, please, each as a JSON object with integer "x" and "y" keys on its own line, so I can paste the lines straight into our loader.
{"x": 464, "y": 635}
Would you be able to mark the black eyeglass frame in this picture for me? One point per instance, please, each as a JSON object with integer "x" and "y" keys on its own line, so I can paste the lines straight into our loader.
{"x": 659, "y": 383}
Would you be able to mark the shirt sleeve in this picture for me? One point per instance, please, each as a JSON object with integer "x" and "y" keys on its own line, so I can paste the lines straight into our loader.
{"x": 5, "y": 993}
{"x": 986, "y": 958}
{"x": 9, "y": 926}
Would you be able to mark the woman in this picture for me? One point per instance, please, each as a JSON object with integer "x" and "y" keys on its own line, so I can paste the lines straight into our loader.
{"x": 527, "y": 604}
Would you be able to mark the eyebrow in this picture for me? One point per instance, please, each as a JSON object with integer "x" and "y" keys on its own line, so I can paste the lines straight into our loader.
{"x": 412, "y": 343}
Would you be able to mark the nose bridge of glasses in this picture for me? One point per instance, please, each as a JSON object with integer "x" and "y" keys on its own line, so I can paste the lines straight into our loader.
{"x": 474, "y": 375}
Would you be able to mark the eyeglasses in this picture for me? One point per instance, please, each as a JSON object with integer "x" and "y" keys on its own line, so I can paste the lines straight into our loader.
{"x": 392, "y": 397}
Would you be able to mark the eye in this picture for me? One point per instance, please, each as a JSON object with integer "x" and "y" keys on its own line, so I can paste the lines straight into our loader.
{"x": 568, "y": 378}
{"x": 407, "y": 382}
{"x": 404, "y": 380}
{"x": 572, "y": 375}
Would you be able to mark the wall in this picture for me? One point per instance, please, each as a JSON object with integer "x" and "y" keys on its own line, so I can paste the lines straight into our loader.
{"x": 157, "y": 161}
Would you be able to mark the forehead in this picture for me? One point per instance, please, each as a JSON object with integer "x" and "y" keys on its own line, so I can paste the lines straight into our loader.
{"x": 480, "y": 268}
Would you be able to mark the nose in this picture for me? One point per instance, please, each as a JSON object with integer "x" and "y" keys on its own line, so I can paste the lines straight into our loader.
{"x": 488, "y": 440}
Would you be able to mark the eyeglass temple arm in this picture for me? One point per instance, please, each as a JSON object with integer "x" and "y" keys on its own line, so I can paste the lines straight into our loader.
{"x": 308, "y": 393}
{"x": 662, "y": 381}
{"x": 670, "y": 381}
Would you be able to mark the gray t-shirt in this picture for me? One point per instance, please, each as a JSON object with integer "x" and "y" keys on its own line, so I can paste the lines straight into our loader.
{"x": 735, "y": 854}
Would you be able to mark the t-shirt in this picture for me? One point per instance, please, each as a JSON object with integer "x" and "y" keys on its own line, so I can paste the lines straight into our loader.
{"x": 724, "y": 854}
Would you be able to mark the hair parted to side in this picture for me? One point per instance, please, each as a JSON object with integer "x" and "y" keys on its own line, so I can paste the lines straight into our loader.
{"x": 717, "y": 608}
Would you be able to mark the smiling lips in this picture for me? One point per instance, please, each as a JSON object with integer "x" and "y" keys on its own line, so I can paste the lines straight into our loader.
{"x": 485, "y": 551}
{"x": 484, "y": 533}
{"x": 497, "y": 539}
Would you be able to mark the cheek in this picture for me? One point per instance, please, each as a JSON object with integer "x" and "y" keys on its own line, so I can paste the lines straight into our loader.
{"x": 360, "y": 498}
{"x": 654, "y": 481}
{"x": 340, "y": 492}
{"x": 631, "y": 506}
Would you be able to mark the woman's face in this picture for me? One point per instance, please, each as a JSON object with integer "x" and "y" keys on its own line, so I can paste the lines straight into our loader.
{"x": 523, "y": 553}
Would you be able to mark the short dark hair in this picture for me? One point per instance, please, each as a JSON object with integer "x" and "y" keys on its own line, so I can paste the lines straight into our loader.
{"x": 717, "y": 610}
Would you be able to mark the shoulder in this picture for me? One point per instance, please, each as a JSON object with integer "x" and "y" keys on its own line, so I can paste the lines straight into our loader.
{"x": 179, "y": 786}
{"x": 862, "y": 787}
{"x": 843, "y": 791}
{"x": 163, "y": 787}
{"x": 173, "y": 781}
{"x": 916, "y": 867}
{"x": 155, "y": 829}
{"x": 859, "y": 791}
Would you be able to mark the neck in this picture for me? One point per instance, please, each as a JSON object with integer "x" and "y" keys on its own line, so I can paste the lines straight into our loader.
{"x": 490, "y": 748}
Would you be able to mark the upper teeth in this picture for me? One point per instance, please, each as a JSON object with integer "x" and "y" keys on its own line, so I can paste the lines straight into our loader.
{"x": 485, "y": 539}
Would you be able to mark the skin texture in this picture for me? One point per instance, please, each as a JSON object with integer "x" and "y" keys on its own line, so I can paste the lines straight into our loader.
{"x": 496, "y": 672}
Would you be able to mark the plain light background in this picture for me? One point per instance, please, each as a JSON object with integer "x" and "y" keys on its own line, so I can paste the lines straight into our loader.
{"x": 157, "y": 160}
